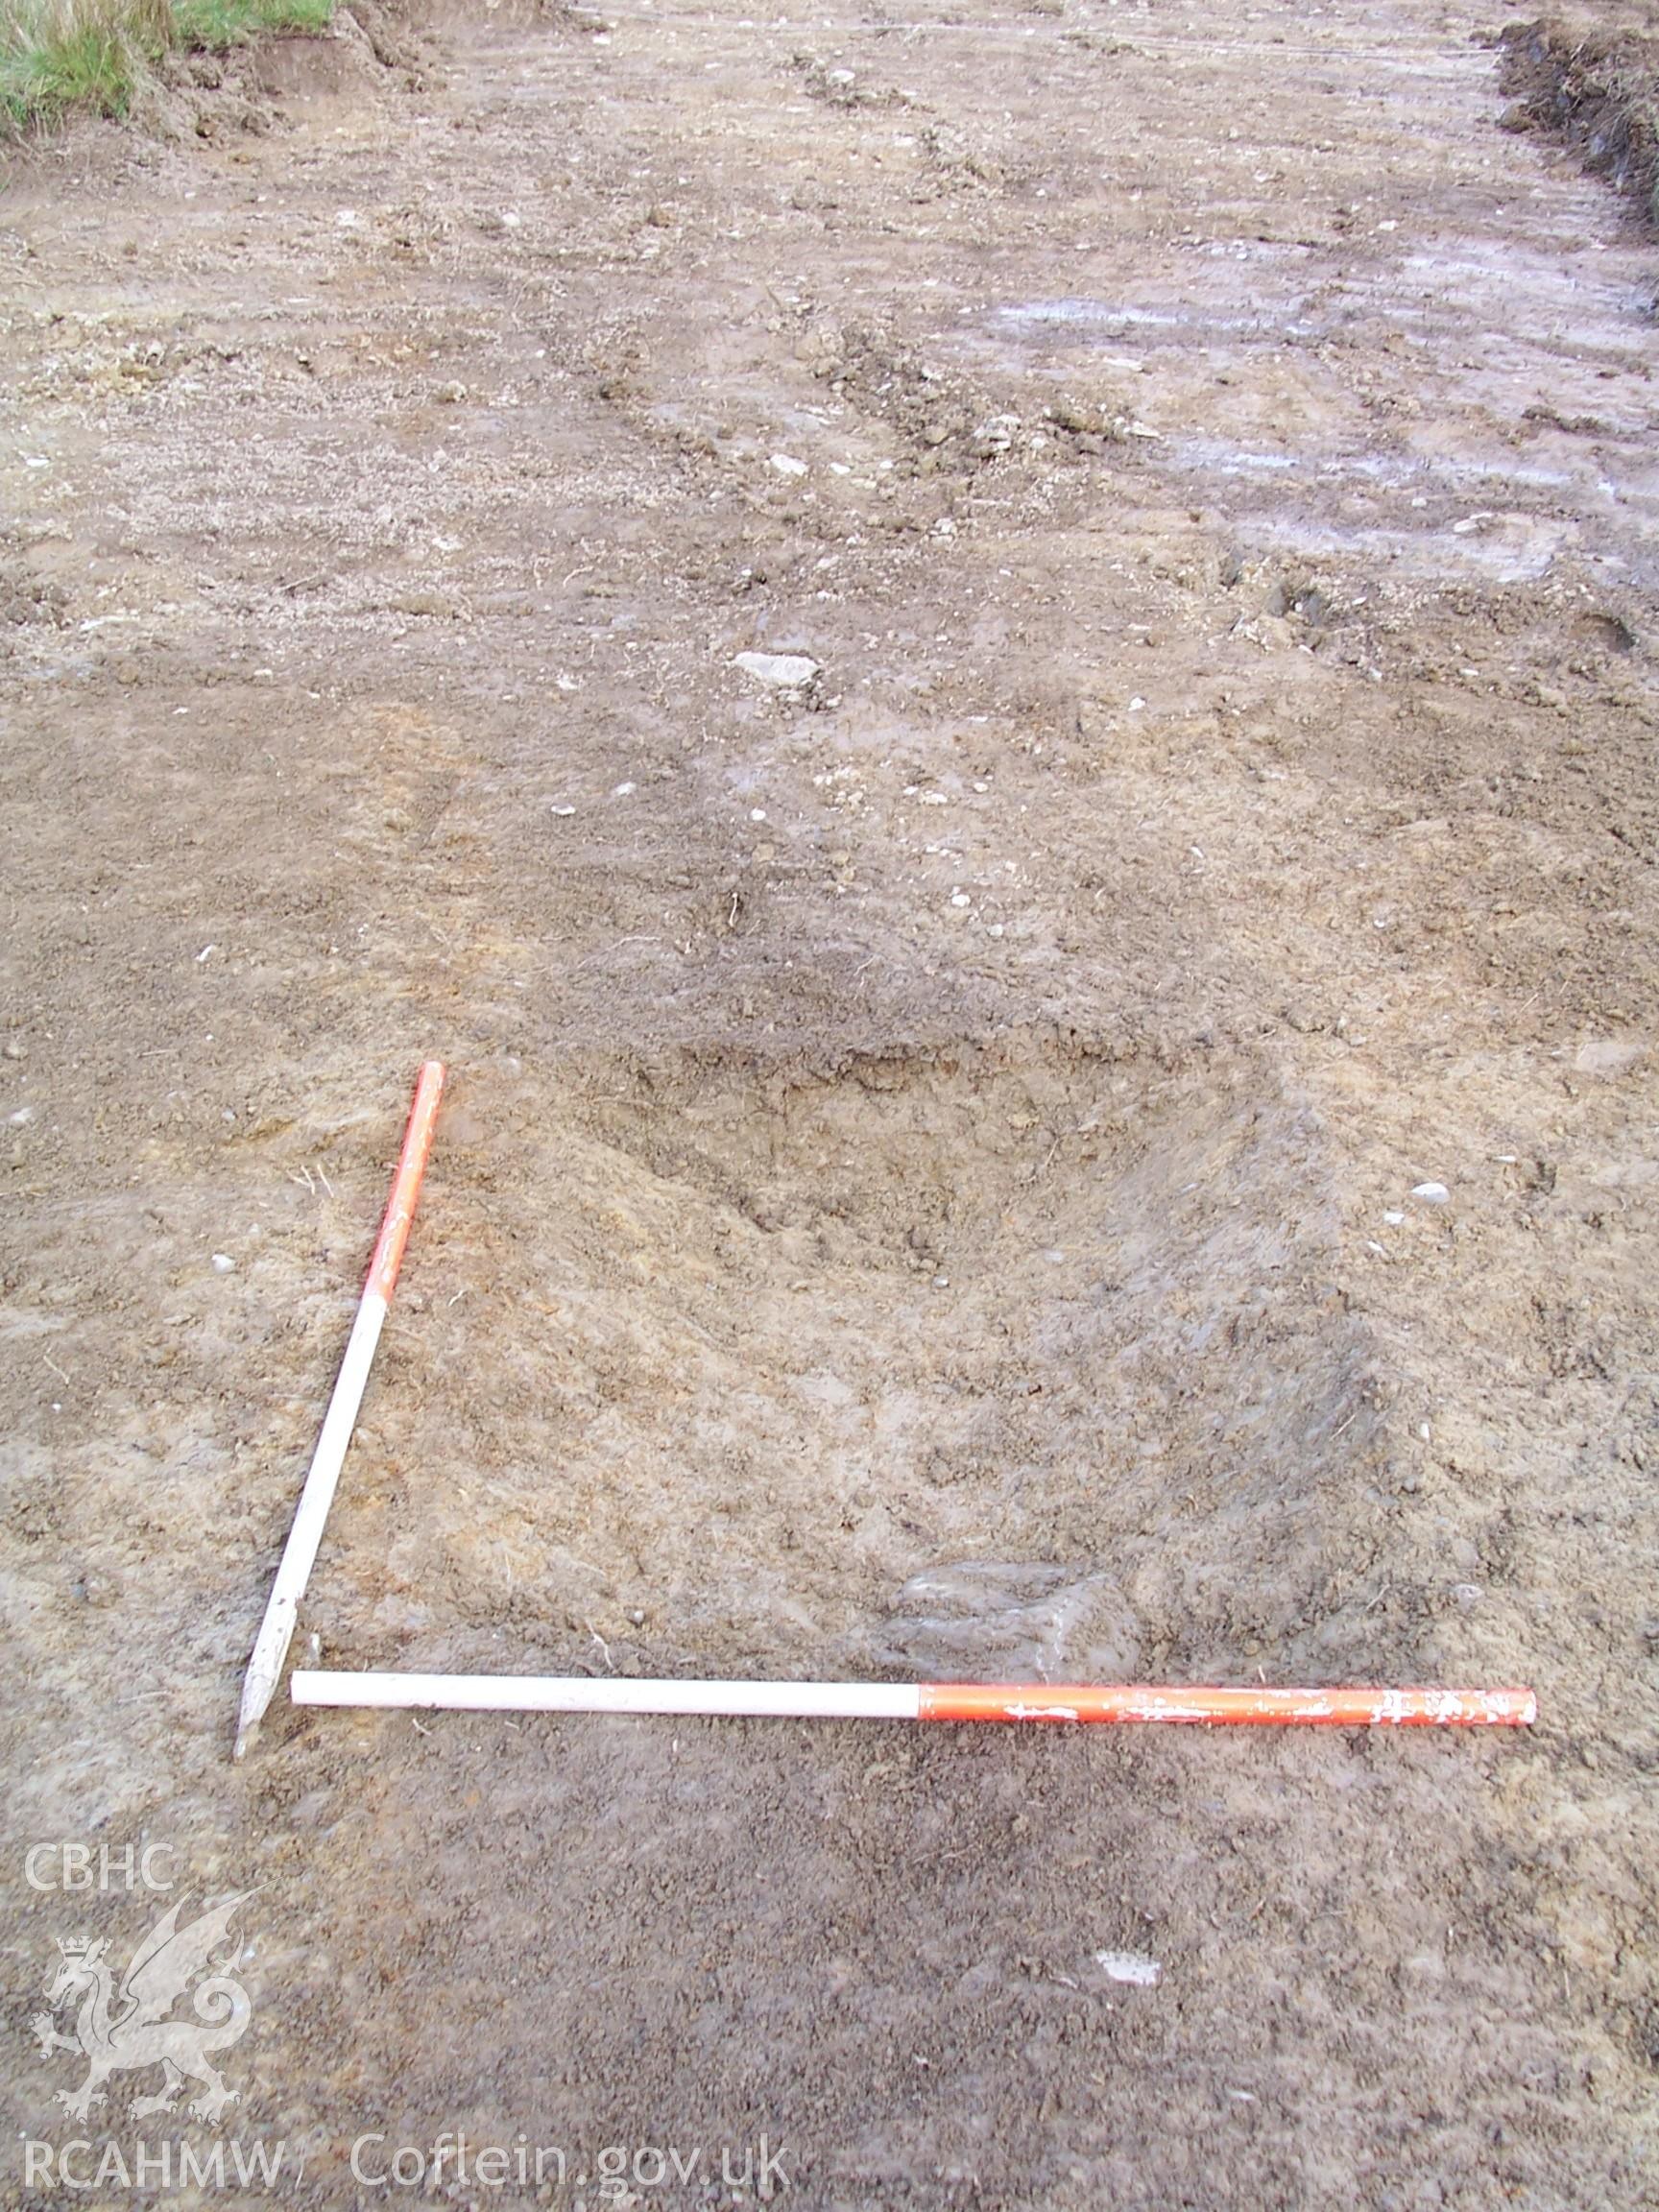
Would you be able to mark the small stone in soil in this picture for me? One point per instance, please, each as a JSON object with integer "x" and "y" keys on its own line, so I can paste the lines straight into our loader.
{"x": 788, "y": 669}
{"x": 1132, "y": 1967}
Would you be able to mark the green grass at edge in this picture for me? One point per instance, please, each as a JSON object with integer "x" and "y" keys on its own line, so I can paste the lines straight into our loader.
{"x": 96, "y": 70}
{"x": 45, "y": 79}
{"x": 217, "y": 24}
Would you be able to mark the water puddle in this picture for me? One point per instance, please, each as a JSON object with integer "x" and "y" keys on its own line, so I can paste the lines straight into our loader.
{"x": 1508, "y": 550}
{"x": 1116, "y": 318}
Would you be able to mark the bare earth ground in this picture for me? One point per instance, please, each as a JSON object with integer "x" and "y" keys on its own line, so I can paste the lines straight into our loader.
{"x": 927, "y": 1183}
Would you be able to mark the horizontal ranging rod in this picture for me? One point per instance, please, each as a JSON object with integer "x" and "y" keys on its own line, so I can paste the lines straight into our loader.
{"x": 1371, "y": 1708}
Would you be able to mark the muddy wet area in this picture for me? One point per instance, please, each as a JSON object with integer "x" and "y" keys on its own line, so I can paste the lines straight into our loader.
{"x": 1495, "y": 480}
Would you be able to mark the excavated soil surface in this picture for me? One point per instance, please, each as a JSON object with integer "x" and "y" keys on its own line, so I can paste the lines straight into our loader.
{"x": 1108, "y": 1127}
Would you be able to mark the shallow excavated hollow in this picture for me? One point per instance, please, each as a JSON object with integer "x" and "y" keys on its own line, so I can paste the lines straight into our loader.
{"x": 945, "y": 1363}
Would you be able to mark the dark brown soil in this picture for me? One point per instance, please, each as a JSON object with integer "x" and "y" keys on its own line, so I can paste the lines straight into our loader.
{"x": 1597, "y": 90}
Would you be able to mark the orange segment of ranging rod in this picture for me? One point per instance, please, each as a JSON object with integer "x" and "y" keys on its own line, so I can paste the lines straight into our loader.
{"x": 407, "y": 1184}
{"x": 1235, "y": 1708}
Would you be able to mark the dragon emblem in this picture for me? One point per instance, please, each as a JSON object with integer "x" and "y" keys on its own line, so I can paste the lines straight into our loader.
{"x": 121, "y": 2033}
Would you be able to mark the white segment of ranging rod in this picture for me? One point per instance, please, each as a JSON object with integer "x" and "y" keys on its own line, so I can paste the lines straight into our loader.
{"x": 310, "y": 1519}
{"x": 311, "y": 1515}
{"x": 609, "y": 1693}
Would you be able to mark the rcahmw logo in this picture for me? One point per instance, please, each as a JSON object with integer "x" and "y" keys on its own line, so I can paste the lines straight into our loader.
{"x": 134, "y": 2027}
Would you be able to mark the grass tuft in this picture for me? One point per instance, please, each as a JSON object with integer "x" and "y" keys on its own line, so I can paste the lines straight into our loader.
{"x": 59, "y": 57}
{"x": 217, "y": 24}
